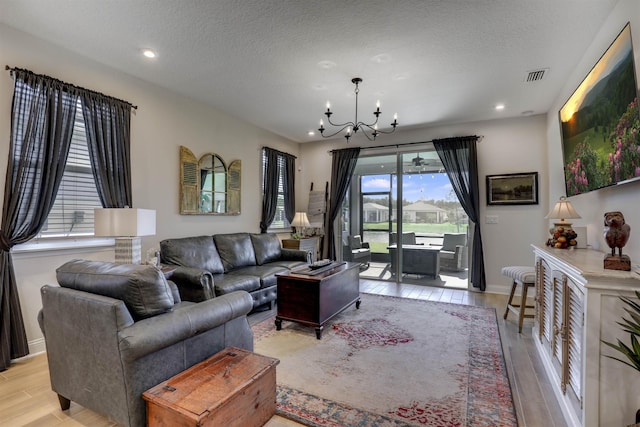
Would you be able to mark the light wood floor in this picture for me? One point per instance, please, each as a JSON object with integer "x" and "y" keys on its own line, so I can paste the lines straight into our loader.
{"x": 26, "y": 398}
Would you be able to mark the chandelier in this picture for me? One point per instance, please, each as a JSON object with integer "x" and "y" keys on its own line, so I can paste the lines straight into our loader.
{"x": 355, "y": 126}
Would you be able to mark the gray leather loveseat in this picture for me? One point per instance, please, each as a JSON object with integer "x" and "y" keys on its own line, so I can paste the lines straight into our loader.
{"x": 209, "y": 266}
{"x": 113, "y": 331}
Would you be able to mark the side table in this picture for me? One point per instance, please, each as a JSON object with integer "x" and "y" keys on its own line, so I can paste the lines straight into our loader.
{"x": 309, "y": 244}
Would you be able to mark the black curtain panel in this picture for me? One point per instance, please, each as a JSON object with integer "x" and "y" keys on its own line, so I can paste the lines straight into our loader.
{"x": 343, "y": 164}
{"x": 289, "y": 186}
{"x": 277, "y": 164}
{"x": 107, "y": 125}
{"x": 460, "y": 159}
{"x": 42, "y": 118}
{"x": 269, "y": 188}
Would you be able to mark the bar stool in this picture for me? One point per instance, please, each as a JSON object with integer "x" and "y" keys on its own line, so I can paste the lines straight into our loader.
{"x": 525, "y": 276}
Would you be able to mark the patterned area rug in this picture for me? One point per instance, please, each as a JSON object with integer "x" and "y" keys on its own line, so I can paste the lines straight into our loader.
{"x": 394, "y": 362}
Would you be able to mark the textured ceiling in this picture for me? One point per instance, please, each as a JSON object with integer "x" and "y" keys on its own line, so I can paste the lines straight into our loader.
{"x": 265, "y": 61}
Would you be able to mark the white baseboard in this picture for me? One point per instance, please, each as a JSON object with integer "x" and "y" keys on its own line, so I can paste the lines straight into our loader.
{"x": 37, "y": 346}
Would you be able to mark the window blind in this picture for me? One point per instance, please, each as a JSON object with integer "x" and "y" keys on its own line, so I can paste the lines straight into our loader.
{"x": 72, "y": 212}
{"x": 280, "y": 219}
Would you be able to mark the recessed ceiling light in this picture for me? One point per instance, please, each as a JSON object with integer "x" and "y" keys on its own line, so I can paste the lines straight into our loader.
{"x": 499, "y": 107}
{"x": 381, "y": 58}
{"x": 327, "y": 64}
{"x": 149, "y": 53}
{"x": 311, "y": 133}
{"x": 400, "y": 76}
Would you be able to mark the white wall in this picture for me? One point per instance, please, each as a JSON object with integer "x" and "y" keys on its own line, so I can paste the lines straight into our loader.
{"x": 625, "y": 198}
{"x": 508, "y": 146}
{"x": 162, "y": 123}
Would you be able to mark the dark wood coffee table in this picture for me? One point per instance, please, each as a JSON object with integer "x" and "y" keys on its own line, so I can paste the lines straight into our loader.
{"x": 314, "y": 297}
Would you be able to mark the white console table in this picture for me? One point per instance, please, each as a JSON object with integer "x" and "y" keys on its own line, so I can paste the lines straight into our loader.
{"x": 577, "y": 306}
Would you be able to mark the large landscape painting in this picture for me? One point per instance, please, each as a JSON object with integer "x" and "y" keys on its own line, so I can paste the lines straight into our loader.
{"x": 601, "y": 124}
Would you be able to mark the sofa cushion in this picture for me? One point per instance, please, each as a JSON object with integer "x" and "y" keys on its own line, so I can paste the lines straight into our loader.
{"x": 235, "y": 250}
{"x": 143, "y": 288}
{"x": 266, "y": 273}
{"x": 289, "y": 264}
{"x": 266, "y": 247}
{"x": 227, "y": 283}
{"x": 193, "y": 252}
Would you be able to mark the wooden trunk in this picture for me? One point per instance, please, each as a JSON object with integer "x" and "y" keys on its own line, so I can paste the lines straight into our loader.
{"x": 313, "y": 299}
{"x": 232, "y": 388}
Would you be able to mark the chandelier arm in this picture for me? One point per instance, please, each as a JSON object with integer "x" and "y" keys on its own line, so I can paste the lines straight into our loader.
{"x": 378, "y": 130}
{"x": 346, "y": 125}
{"x": 365, "y": 133}
{"x": 369, "y": 125}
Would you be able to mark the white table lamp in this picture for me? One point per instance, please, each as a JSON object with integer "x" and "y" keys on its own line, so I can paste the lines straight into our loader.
{"x": 300, "y": 221}
{"x": 126, "y": 225}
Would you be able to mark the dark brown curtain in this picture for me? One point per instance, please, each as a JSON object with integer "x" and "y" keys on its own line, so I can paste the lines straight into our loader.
{"x": 42, "y": 117}
{"x": 107, "y": 124}
{"x": 460, "y": 159}
{"x": 343, "y": 163}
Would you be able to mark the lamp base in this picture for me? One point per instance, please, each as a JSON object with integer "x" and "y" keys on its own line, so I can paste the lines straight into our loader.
{"x": 128, "y": 250}
{"x": 562, "y": 236}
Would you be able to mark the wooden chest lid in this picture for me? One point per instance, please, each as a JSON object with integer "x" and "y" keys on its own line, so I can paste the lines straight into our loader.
{"x": 209, "y": 384}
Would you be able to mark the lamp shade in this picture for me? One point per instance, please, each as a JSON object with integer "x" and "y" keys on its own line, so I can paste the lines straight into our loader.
{"x": 300, "y": 220}
{"x": 563, "y": 210}
{"x": 119, "y": 222}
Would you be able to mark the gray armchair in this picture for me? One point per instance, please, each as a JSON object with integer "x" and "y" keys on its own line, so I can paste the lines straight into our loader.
{"x": 357, "y": 251}
{"x": 408, "y": 238}
{"x": 453, "y": 252}
{"x": 113, "y": 331}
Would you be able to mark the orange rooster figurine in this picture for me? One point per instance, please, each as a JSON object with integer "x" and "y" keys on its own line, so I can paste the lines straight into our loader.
{"x": 616, "y": 233}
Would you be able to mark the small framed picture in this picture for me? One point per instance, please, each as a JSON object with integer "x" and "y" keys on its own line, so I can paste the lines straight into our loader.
{"x": 513, "y": 189}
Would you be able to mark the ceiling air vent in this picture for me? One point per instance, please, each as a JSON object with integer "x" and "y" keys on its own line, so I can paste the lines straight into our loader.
{"x": 535, "y": 75}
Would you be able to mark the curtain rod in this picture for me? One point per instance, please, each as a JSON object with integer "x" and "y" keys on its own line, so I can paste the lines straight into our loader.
{"x": 406, "y": 143}
{"x": 12, "y": 69}
{"x": 280, "y": 152}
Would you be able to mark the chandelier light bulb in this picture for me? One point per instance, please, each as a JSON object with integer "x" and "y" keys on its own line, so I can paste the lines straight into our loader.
{"x": 328, "y": 106}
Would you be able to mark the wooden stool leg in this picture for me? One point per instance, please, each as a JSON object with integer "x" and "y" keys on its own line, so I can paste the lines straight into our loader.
{"x": 513, "y": 291}
{"x": 523, "y": 306}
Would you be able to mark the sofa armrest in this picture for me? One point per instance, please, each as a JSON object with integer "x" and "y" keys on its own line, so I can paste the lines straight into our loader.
{"x": 366, "y": 245}
{"x": 293, "y": 255}
{"x": 152, "y": 334}
{"x": 194, "y": 284}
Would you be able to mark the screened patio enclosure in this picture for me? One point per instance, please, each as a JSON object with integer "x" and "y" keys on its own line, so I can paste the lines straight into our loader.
{"x": 407, "y": 193}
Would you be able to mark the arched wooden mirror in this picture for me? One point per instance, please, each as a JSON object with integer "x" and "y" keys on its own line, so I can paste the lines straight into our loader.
{"x": 207, "y": 185}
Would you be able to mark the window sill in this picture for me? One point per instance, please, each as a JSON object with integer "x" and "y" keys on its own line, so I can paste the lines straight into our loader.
{"x": 72, "y": 244}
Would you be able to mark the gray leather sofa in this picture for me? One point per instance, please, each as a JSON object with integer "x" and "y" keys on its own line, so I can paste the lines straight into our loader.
{"x": 209, "y": 266}
{"x": 113, "y": 331}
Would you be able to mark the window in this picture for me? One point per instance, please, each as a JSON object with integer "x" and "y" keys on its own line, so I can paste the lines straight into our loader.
{"x": 72, "y": 212}
{"x": 280, "y": 220}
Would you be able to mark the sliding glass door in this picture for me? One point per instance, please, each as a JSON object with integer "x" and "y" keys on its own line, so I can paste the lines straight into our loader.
{"x": 403, "y": 206}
